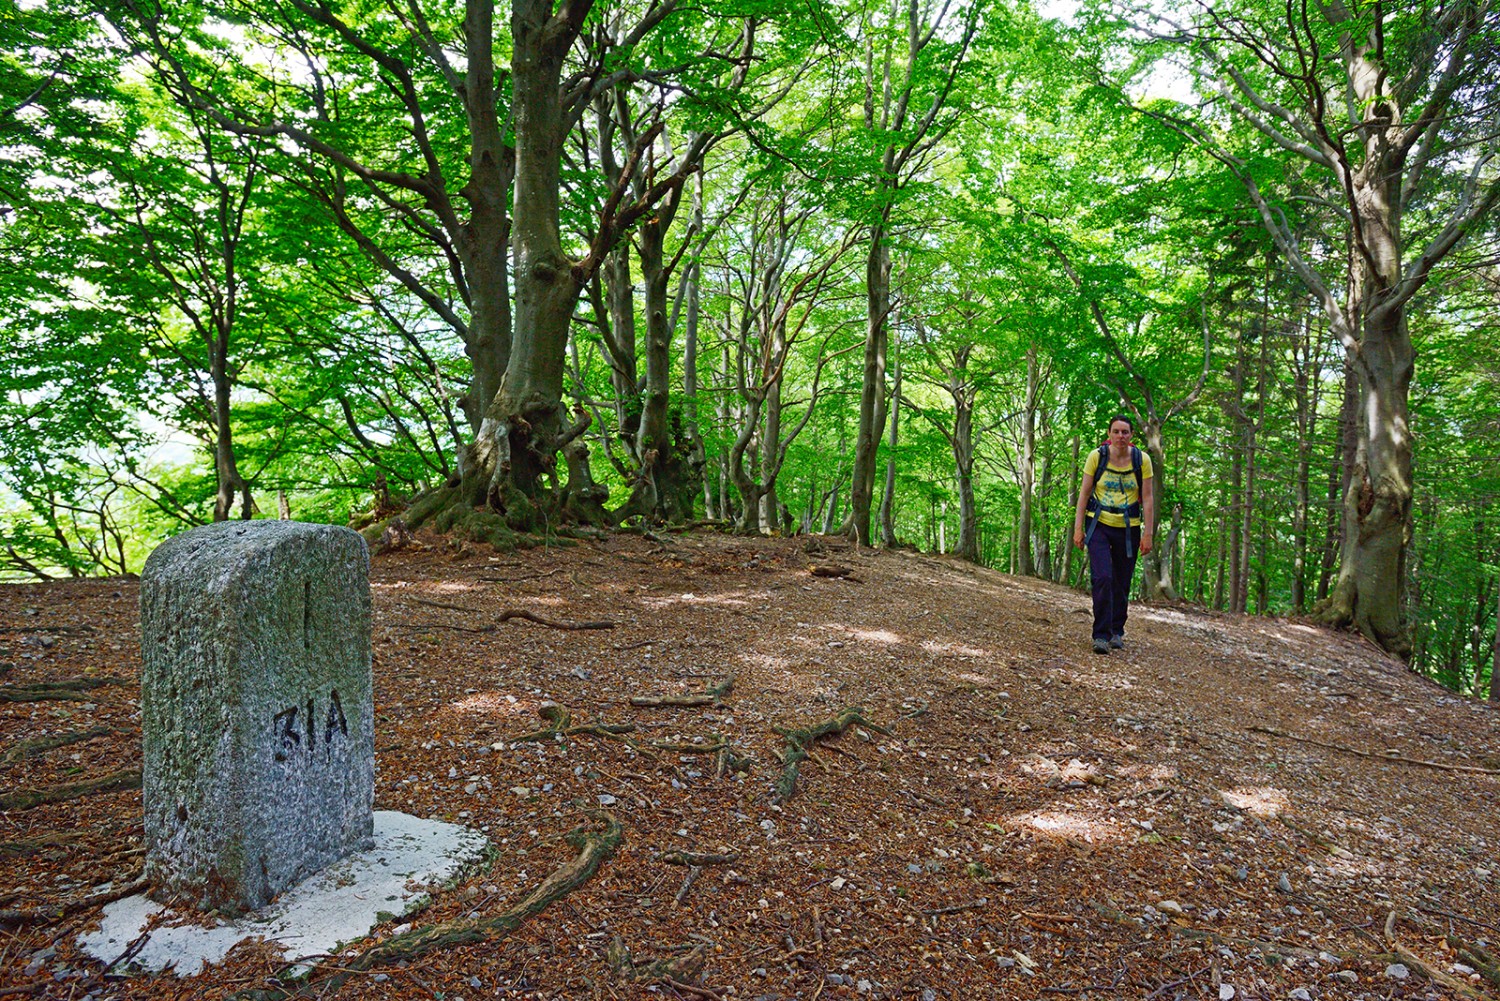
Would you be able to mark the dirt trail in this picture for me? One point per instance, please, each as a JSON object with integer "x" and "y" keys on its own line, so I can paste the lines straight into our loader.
{"x": 1228, "y": 803}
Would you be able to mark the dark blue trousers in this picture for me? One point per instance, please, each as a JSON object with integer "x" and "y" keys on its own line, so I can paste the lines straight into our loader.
{"x": 1112, "y": 553}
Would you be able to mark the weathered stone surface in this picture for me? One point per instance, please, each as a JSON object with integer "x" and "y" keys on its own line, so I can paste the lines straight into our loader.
{"x": 257, "y": 708}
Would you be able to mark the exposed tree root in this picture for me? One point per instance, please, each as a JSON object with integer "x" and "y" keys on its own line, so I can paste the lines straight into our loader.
{"x": 800, "y": 741}
{"x": 505, "y": 616}
{"x": 1470, "y": 769}
{"x": 70, "y": 691}
{"x": 1484, "y": 963}
{"x": 41, "y": 745}
{"x": 34, "y": 915}
{"x": 1203, "y": 935}
{"x": 727, "y": 762}
{"x": 699, "y": 858}
{"x": 26, "y": 799}
{"x": 560, "y": 726}
{"x": 32, "y": 846}
{"x": 714, "y": 696}
{"x": 513, "y": 613}
{"x": 594, "y": 849}
{"x": 688, "y": 966}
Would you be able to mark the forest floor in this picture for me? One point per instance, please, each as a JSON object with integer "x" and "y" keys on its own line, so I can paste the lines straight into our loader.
{"x": 1227, "y": 808}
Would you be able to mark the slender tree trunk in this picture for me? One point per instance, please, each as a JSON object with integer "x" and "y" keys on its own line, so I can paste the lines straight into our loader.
{"x": 1027, "y": 471}
{"x": 1154, "y": 582}
{"x": 1043, "y": 531}
{"x": 872, "y": 384}
{"x": 1495, "y": 660}
{"x": 1225, "y": 543}
{"x": 888, "y": 498}
{"x": 963, "y": 456}
{"x": 770, "y": 457}
{"x": 1075, "y": 483}
{"x": 1306, "y": 402}
{"x": 697, "y": 453}
{"x": 226, "y": 469}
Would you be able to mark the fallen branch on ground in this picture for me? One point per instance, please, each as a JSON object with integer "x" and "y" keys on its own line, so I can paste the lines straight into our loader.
{"x": 41, "y": 745}
{"x": 713, "y": 696}
{"x": 800, "y": 741}
{"x": 26, "y": 799}
{"x": 1469, "y": 769}
{"x": 34, "y": 915}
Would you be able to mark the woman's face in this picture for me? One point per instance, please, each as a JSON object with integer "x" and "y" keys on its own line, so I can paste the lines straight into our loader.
{"x": 1119, "y": 433}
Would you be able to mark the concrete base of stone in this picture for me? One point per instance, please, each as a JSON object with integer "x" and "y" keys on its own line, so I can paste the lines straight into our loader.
{"x": 337, "y": 906}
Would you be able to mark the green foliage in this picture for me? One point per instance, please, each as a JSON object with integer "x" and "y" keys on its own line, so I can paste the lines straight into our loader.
{"x": 282, "y": 208}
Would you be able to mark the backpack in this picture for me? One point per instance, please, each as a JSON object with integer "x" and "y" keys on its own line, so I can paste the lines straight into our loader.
{"x": 1093, "y": 505}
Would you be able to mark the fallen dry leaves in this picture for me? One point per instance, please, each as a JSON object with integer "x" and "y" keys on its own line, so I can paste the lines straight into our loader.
{"x": 1039, "y": 822}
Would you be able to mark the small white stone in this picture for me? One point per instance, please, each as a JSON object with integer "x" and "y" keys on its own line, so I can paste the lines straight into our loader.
{"x": 1397, "y": 971}
{"x": 1170, "y": 907}
{"x": 1226, "y": 992}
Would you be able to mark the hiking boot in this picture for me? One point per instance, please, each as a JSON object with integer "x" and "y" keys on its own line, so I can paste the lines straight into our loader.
{"x": 1101, "y": 646}
{"x": 1117, "y": 642}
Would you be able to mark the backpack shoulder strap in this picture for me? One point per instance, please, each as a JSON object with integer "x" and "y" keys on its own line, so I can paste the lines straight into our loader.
{"x": 1135, "y": 467}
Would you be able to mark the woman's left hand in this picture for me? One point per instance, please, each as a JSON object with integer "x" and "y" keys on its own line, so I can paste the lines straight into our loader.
{"x": 1145, "y": 543}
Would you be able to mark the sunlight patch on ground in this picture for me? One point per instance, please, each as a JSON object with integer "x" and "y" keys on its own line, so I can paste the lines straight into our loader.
{"x": 1069, "y": 825}
{"x": 957, "y": 649}
{"x": 876, "y": 635}
{"x": 452, "y": 587}
{"x": 1153, "y": 773}
{"x": 498, "y": 705}
{"x": 978, "y": 680}
{"x": 1260, "y": 801}
{"x": 732, "y": 599}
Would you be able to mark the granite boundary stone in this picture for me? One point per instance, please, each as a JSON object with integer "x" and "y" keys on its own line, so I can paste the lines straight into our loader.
{"x": 257, "y": 709}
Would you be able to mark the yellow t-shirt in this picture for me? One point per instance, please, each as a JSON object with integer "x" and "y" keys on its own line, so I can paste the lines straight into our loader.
{"x": 1116, "y": 487}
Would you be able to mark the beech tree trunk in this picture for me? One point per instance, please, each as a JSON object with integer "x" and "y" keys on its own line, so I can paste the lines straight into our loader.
{"x": 888, "y": 498}
{"x": 1495, "y": 662}
{"x": 872, "y": 404}
{"x": 1027, "y": 471}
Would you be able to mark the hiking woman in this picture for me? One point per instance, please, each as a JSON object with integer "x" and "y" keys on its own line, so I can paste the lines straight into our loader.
{"x": 1118, "y": 500}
